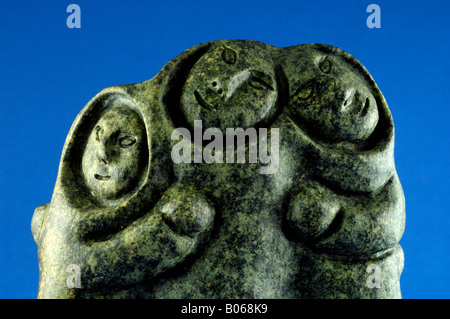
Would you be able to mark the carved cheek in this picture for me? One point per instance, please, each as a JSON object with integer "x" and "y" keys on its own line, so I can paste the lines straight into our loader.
{"x": 129, "y": 160}
{"x": 88, "y": 162}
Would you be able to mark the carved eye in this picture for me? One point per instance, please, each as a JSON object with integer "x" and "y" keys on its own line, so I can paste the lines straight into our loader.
{"x": 326, "y": 66}
{"x": 259, "y": 84}
{"x": 260, "y": 81}
{"x": 127, "y": 141}
{"x": 304, "y": 92}
{"x": 229, "y": 55}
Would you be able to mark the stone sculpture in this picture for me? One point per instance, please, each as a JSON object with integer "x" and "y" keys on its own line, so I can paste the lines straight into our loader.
{"x": 139, "y": 224}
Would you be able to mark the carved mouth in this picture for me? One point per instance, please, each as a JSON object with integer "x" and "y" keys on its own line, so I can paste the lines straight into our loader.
{"x": 365, "y": 108}
{"x": 102, "y": 177}
{"x": 202, "y": 102}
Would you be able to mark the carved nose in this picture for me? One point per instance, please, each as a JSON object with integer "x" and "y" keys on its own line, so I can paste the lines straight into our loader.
{"x": 217, "y": 87}
{"x": 348, "y": 98}
{"x": 101, "y": 151}
{"x": 101, "y": 155}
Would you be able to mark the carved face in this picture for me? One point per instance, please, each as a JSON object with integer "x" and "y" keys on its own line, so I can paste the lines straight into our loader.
{"x": 115, "y": 153}
{"x": 230, "y": 86}
{"x": 335, "y": 100}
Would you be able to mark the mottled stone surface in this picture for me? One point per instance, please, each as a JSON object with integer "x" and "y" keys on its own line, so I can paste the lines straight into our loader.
{"x": 324, "y": 224}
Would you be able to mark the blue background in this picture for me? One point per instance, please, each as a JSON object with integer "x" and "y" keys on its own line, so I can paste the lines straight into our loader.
{"x": 48, "y": 72}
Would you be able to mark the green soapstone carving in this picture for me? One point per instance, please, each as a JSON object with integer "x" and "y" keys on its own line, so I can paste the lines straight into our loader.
{"x": 128, "y": 220}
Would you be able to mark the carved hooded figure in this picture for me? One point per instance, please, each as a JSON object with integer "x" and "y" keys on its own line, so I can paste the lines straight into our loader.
{"x": 116, "y": 213}
{"x": 347, "y": 208}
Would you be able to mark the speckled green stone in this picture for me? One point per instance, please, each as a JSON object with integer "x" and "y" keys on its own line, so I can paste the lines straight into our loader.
{"x": 139, "y": 225}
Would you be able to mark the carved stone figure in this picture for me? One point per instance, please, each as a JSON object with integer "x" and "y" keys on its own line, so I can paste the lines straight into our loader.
{"x": 137, "y": 224}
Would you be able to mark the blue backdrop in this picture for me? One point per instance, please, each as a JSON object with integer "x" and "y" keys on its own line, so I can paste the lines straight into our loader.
{"x": 49, "y": 72}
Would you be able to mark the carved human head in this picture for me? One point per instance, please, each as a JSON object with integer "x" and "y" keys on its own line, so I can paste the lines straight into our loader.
{"x": 332, "y": 96}
{"x": 232, "y": 85}
{"x": 116, "y": 153}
